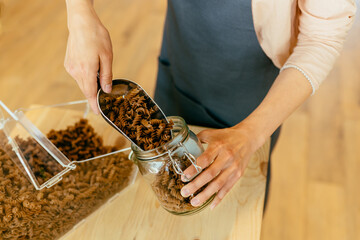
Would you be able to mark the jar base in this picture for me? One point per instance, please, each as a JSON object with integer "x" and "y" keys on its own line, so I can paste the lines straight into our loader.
{"x": 194, "y": 211}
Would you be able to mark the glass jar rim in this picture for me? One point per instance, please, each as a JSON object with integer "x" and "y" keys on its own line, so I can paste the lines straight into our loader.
{"x": 165, "y": 148}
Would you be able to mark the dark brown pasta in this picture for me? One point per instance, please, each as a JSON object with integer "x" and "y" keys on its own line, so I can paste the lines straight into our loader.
{"x": 134, "y": 114}
{"x": 26, "y": 213}
{"x": 167, "y": 186}
{"x": 40, "y": 162}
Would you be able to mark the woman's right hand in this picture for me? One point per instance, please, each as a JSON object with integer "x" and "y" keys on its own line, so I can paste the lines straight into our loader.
{"x": 89, "y": 50}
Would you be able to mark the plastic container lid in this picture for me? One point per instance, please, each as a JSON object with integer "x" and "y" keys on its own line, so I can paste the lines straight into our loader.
{"x": 13, "y": 124}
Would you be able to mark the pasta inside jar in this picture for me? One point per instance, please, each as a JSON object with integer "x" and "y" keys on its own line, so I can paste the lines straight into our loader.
{"x": 163, "y": 167}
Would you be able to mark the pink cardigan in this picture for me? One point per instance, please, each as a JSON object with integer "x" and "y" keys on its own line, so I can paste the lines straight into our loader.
{"x": 305, "y": 34}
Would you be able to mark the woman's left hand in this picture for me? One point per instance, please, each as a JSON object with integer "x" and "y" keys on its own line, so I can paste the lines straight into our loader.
{"x": 225, "y": 159}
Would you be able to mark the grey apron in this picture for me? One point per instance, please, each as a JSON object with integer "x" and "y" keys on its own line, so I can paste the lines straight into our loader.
{"x": 212, "y": 70}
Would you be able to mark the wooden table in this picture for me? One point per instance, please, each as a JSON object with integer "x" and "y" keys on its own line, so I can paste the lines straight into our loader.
{"x": 1, "y": 10}
{"x": 136, "y": 214}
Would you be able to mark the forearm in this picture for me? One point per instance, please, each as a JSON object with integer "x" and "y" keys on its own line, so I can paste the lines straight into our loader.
{"x": 288, "y": 92}
{"x": 75, "y": 3}
{"x": 77, "y": 10}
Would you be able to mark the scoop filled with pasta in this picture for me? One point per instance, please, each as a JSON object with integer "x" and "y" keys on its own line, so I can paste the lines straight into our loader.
{"x": 131, "y": 111}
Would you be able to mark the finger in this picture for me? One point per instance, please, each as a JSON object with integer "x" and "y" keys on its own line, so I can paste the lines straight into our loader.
{"x": 106, "y": 73}
{"x": 225, "y": 189}
{"x": 206, "y": 176}
{"x": 205, "y": 135}
{"x": 85, "y": 90}
{"x": 232, "y": 180}
{"x": 203, "y": 161}
{"x": 89, "y": 85}
{"x": 212, "y": 188}
{"x": 215, "y": 202}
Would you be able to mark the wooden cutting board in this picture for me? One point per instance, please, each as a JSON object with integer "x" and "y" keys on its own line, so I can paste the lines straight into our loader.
{"x": 136, "y": 213}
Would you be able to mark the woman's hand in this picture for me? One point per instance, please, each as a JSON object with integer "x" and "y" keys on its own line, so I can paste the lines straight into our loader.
{"x": 229, "y": 150}
{"x": 225, "y": 159}
{"x": 89, "y": 50}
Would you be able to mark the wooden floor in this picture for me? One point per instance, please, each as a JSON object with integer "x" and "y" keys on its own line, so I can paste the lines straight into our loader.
{"x": 316, "y": 165}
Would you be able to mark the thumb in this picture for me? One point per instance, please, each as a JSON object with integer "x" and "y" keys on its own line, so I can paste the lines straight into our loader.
{"x": 106, "y": 73}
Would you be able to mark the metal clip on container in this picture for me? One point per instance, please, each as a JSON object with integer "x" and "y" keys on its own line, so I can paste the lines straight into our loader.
{"x": 189, "y": 157}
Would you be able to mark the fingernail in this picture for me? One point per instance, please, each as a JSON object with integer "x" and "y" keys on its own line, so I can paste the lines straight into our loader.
{"x": 185, "y": 192}
{"x": 212, "y": 206}
{"x": 195, "y": 202}
{"x": 185, "y": 178}
{"x": 108, "y": 88}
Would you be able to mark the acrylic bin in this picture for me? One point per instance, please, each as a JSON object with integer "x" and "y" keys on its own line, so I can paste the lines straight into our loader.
{"x": 43, "y": 193}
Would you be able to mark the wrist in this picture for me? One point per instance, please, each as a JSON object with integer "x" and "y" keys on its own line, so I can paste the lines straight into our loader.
{"x": 77, "y": 2}
{"x": 254, "y": 130}
{"x": 78, "y": 12}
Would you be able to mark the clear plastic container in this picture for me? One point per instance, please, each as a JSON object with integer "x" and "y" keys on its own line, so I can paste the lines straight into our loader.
{"x": 163, "y": 167}
{"x": 45, "y": 192}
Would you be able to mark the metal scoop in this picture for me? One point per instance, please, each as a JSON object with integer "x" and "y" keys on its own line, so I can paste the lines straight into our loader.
{"x": 120, "y": 88}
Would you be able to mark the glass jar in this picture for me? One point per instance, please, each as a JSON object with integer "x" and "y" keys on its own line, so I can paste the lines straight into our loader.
{"x": 163, "y": 167}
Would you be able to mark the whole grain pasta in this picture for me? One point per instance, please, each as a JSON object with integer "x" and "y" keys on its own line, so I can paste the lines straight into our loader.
{"x": 134, "y": 114}
{"x": 26, "y": 213}
{"x": 167, "y": 186}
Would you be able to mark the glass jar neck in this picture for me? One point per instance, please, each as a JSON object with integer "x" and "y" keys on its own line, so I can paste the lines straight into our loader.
{"x": 180, "y": 132}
